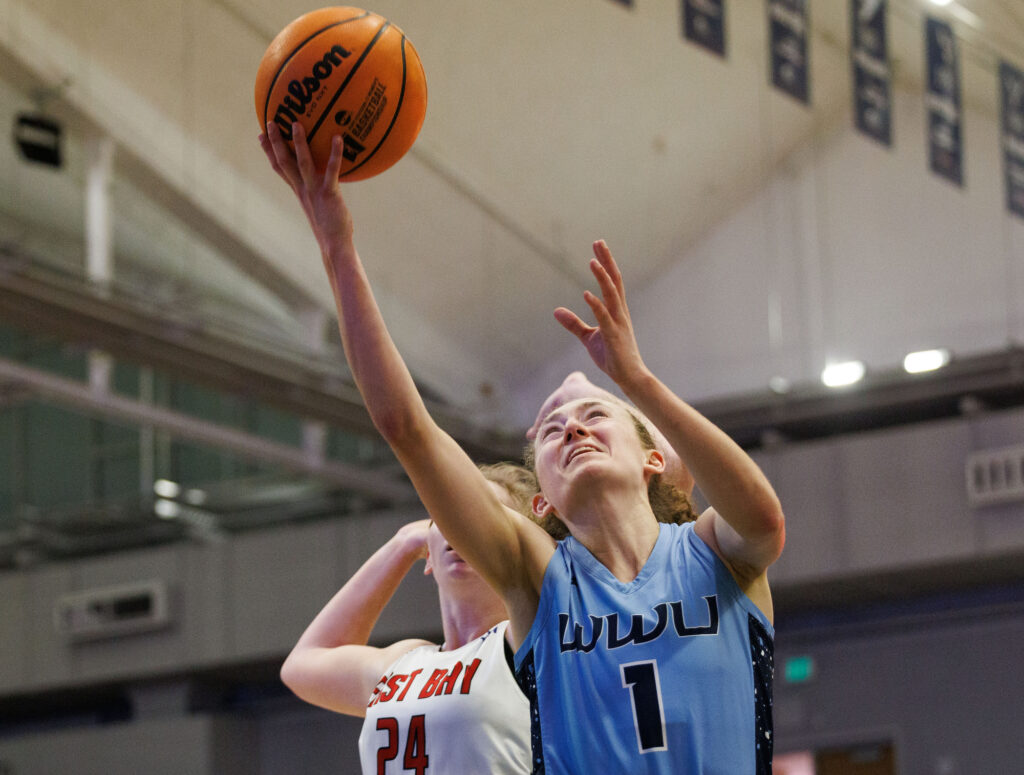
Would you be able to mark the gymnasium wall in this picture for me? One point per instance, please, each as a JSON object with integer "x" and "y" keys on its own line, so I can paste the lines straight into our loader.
{"x": 240, "y": 600}
{"x": 941, "y": 684}
{"x": 890, "y": 502}
{"x": 862, "y": 510}
{"x": 169, "y": 746}
{"x": 848, "y": 251}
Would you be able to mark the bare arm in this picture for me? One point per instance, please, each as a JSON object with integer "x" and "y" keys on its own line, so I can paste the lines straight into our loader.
{"x": 509, "y": 551}
{"x": 331, "y": 665}
{"x": 745, "y": 525}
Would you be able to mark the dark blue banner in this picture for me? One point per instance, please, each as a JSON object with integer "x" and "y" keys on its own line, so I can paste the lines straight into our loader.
{"x": 869, "y": 56}
{"x": 704, "y": 24}
{"x": 787, "y": 44}
{"x": 1011, "y": 93}
{"x": 945, "y": 133}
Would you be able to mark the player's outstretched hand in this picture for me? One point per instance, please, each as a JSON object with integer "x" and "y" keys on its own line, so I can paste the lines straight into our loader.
{"x": 611, "y": 343}
{"x": 319, "y": 194}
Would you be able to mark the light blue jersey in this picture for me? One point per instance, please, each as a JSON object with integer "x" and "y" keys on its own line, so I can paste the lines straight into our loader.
{"x": 669, "y": 673}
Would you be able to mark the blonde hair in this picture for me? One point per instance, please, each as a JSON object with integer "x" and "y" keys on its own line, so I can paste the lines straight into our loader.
{"x": 519, "y": 482}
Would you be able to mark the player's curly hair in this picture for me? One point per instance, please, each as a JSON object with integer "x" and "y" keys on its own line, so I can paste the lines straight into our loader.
{"x": 669, "y": 504}
{"x": 519, "y": 482}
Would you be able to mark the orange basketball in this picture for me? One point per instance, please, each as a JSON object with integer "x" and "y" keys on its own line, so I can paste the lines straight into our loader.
{"x": 350, "y": 72}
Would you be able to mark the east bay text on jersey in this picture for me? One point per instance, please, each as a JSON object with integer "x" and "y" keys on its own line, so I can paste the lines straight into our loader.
{"x": 441, "y": 681}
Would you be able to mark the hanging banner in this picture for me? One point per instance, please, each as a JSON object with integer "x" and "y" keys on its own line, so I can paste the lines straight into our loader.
{"x": 945, "y": 137}
{"x": 787, "y": 41}
{"x": 704, "y": 24}
{"x": 869, "y": 56}
{"x": 1011, "y": 92}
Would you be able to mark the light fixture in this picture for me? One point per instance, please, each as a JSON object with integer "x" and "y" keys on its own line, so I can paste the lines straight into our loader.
{"x": 843, "y": 373}
{"x": 166, "y": 488}
{"x": 38, "y": 139}
{"x": 779, "y": 385}
{"x": 195, "y": 497}
{"x": 941, "y": 2}
{"x": 166, "y": 509}
{"x": 925, "y": 360}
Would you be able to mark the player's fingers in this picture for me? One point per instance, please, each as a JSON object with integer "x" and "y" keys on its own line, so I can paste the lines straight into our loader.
{"x": 334, "y": 162}
{"x": 268, "y": 151}
{"x": 571, "y": 322}
{"x": 604, "y": 318}
{"x": 284, "y": 162}
{"x": 612, "y": 297}
{"x": 604, "y": 256}
{"x": 303, "y": 158}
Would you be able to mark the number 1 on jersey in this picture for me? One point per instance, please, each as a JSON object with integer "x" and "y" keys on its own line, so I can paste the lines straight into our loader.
{"x": 641, "y": 678}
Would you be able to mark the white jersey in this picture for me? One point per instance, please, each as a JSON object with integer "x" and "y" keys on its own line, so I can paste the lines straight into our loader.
{"x": 455, "y": 712}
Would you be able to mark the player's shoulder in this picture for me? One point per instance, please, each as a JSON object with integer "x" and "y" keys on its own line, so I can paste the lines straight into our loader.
{"x": 391, "y": 654}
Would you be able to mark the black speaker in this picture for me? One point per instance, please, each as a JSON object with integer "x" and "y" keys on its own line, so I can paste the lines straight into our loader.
{"x": 38, "y": 139}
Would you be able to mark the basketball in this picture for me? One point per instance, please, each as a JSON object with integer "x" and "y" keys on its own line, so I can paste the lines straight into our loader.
{"x": 344, "y": 71}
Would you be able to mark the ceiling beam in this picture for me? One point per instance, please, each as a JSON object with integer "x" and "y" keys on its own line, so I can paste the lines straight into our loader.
{"x": 80, "y": 396}
{"x": 315, "y": 386}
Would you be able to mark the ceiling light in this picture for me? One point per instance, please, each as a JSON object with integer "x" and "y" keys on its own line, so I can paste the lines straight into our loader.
{"x": 166, "y": 509}
{"x": 779, "y": 385}
{"x": 925, "y": 360}
{"x": 166, "y": 488}
{"x": 841, "y": 374}
{"x": 941, "y": 2}
{"x": 195, "y": 497}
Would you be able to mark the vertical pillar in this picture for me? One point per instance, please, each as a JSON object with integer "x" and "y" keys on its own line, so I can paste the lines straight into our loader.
{"x": 98, "y": 244}
{"x": 98, "y": 248}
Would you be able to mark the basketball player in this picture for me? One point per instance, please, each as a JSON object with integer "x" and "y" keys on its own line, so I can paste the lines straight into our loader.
{"x": 576, "y": 385}
{"x": 644, "y": 648}
{"x": 453, "y": 708}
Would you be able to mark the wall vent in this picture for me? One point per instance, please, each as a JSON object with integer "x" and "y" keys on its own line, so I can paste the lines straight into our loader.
{"x": 995, "y": 476}
{"x": 113, "y": 611}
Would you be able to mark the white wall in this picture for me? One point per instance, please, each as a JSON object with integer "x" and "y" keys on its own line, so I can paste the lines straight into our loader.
{"x": 850, "y": 251}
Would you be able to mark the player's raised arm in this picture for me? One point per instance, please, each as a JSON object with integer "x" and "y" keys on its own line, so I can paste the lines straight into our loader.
{"x": 507, "y": 550}
{"x": 331, "y": 665}
{"x": 746, "y": 524}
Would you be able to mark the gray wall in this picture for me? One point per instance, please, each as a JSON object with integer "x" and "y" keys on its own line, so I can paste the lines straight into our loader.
{"x": 245, "y": 599}
{"x": 174, "y": 746}
{"x": 310, "y": 741}
{"x": 947, "y": 689}
{"x": 860, "y": 506}
{"x": 890, "y": 500}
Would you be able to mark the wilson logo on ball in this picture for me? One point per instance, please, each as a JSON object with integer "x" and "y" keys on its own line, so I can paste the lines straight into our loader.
{"x": 348, "y": 72}
{"x": 301, "y": 93}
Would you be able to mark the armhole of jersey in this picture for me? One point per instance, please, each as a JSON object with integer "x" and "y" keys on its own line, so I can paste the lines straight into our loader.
{"x": 724, "y": 578}
{"x": 762, "y": 661}
{"x": 510, "y": 660}
{"x": 542, "y": 609}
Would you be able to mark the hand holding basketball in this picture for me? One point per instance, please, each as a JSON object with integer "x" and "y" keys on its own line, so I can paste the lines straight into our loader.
{"x": 318, "y": 191}
{"x": 349, "y": 72}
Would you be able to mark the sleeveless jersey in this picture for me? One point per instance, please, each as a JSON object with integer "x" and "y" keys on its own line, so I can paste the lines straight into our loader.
{"x": 454, "y": 712}
{"x": 669, "y": 673}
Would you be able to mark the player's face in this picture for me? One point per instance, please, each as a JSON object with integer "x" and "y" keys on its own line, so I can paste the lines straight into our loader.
{"x": 584, "y": 445}
{"x": 445, "y": 563}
